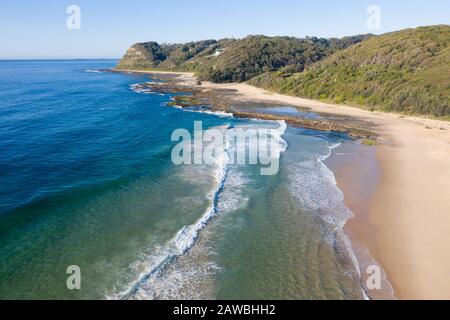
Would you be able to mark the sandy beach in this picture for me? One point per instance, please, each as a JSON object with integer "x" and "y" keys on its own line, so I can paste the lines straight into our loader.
{"x": 357, "y": 173}
{"x": 409, "y": 211}
{"x": 404, "y": 221}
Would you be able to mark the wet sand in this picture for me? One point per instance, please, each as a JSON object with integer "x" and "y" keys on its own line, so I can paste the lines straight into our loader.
{"x": 404, "y": 219}
{"x": 409, "y": 211}
{"x": 357, "y": 173}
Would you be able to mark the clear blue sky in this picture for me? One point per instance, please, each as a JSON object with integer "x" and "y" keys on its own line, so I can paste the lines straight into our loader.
{"x": 37, "y": 29}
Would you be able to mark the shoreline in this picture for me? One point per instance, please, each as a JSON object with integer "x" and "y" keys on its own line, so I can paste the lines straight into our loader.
{"x": 402, "y": 221}
{"x": 357, "y": 175}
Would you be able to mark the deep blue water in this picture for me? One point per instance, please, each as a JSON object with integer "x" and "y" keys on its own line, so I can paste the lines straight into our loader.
{"x": 86, "y": 179}
{"x": 63, "y": 127}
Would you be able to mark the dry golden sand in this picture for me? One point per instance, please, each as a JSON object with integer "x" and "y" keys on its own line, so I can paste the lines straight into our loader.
{"x": 409, "y": 212}
{"x": 410, "y": 209}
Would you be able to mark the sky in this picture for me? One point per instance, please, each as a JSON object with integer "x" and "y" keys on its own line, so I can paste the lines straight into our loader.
{"x": 31, "y": 29}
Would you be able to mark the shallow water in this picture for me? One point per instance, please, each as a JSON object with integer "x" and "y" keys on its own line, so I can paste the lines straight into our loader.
{"x": 285, "y": 111}
{"x": 86, "y": 179}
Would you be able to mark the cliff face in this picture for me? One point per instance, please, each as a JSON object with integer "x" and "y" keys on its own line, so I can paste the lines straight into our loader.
{"x": 405, "y": 71}
{"x": 231, "y": 60}
{"x": 142, "y": 56}
{"x": 151, "y": 55}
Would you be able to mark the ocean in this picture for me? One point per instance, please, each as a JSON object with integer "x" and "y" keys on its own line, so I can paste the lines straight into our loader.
{"x": 86, "y": 179}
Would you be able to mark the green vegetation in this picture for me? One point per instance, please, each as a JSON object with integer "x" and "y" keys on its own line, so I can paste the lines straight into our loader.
{"x": 244, "y": 59}
{"x": 185, "y": 101}
{"x": 231, "y": 60}
{"x": 151, "y": 55}
{"x": 369, "y": 142}
{"x": 406, "y": 71}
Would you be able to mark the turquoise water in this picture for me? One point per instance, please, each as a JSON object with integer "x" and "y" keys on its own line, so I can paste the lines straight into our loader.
{"x": 86, "y": 179}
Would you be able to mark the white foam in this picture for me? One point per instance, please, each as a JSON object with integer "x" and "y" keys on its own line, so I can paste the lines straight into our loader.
{"x": 92, "y": 71}
{"x": 278, "y": 134}
{"x": 221, "y": 114}
{"x": 186, "y": 236}
{"x": 315, "y": 186}
{"x": 188, "y": 277}
{"x": 141, "y": 88}
{"x": 233, "y": 196}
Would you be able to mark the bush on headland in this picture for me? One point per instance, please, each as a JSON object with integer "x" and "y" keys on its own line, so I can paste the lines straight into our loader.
{"x": 406, "y": 71}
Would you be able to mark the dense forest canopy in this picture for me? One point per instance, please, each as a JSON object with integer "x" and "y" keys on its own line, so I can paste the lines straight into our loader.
{"x": 406, "y": 71}
{"x": 231, "y": 60}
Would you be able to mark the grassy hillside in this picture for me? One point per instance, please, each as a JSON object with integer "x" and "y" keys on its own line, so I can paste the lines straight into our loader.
{"x": 231, "y": 60}
{"x": 406, "y": 71}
